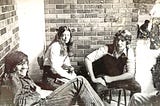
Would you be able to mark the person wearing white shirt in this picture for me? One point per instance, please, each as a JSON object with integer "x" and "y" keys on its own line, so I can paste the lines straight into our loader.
{"x": 57, "y": 63}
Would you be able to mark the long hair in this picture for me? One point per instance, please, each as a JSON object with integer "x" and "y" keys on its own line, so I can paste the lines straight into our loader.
{"x": 11, "y": 60}
{"x": 58, "y": 37}
{"x": 125, "y": 35}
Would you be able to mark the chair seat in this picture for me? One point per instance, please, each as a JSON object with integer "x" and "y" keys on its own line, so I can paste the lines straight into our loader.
{"x": 119, "y": 96}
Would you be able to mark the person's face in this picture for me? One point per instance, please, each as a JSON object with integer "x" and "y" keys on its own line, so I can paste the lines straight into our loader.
{"x": 121, "y": 43}
{"x": 66, "y": 36}
{"x": 22, "y": 68}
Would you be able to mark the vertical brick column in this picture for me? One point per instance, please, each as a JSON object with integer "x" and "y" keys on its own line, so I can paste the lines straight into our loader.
{"x": 8, "y": 29}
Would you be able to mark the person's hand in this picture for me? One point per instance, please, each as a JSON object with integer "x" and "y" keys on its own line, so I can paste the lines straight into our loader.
{"x": 108, "y": 79}
{"x": 65, "y": 67}
{"x": 71, "y": 69}
{"x": 100, "y": 80}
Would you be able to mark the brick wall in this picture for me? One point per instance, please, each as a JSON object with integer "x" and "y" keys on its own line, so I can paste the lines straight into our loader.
{"x": 93, "y": 22}
{"x": 8, "y": 29}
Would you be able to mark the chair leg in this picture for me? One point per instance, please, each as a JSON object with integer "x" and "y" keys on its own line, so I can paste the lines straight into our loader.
{"x": 119, "y": 98}
{"x": 125, "y": 100}
{"x": 110, "y": 96}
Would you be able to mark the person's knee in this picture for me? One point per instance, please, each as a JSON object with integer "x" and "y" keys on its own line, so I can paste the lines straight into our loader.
{"x": 81, "y": 78}
{"x": 138, "y": 88}
{"x": 136, "y": 99}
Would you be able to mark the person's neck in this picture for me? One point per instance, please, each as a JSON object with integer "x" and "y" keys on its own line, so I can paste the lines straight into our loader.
{"x": 118, "y": 53}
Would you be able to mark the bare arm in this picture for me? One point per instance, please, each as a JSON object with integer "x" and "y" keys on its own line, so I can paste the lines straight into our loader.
{"x": 93, "y": 57}
{"x": 89, "y": 67}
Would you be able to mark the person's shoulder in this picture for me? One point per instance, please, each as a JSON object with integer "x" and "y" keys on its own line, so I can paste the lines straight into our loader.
{"x": 55, "y": 44}
{"x": 104, "y": 47}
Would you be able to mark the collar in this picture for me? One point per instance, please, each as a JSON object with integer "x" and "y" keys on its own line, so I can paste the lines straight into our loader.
{"x": 121, "y": 54}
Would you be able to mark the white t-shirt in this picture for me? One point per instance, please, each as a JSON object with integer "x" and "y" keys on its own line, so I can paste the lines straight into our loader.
{"x": 55, "y": 60}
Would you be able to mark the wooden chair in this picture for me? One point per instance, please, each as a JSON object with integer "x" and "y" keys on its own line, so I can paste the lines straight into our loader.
{"x": 109, "y": 91}
{"x": 107, "y": 95}
{"x": 119, "y": 96}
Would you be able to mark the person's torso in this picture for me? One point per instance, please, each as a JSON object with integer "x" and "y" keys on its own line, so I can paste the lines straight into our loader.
{"x": 47, "y": 57}
{"x": 26, "y": 94}
{"x": 109, "y": 64}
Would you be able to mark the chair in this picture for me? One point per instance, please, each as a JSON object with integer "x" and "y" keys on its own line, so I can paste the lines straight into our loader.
{"x": 107, "y": 95}
{"x": 119, "y": 96}
{"x": 109, "y": 91}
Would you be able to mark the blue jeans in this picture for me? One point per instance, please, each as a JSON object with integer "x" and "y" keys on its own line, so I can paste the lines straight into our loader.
{"x": 74, "y": 89}
{"x": 141, "y": 99}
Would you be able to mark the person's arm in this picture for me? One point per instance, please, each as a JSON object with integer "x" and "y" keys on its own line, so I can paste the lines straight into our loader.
{"x": 95, "y": 55}
{"x": 57, "y": 62}
{"x": 130, "y": 69}
{"x": 67, "y": 64}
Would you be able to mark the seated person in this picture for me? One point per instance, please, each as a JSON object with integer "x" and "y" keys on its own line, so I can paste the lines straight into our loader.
{"x": 114, "y": 64}
{"x": 149, "y": 99}
{"x": 155, "y": 16}
{"x": 56, "y": 59}
{"x": 27, "y": 93}
{"x": 143, "y": 31}
{"x": 155, "y": 37}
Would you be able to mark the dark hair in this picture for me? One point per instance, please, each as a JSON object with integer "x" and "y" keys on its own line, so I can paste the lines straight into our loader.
{"x": 11, "y": 60}
{"x": 125, "y": 34}
{"x": 58, "y": 36}
{"x": 146, "y": 21}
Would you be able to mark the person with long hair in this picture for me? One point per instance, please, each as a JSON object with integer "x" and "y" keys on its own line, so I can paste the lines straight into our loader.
{"x": 27, "y": 93}
{"x": 57, "y": 63}
{"x": 113, "y": 65}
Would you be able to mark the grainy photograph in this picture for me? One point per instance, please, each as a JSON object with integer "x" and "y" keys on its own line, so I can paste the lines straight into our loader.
{"x": 79, "y": 52}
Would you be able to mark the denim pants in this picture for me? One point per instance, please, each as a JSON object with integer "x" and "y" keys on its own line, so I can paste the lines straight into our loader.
{"x": 141, "y": 99}
{"x": 74, "y": 89}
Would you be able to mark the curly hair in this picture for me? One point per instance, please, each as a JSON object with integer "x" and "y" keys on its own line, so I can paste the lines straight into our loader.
{"x": 11, "y": 60}
{"x": 125, "y": 34}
